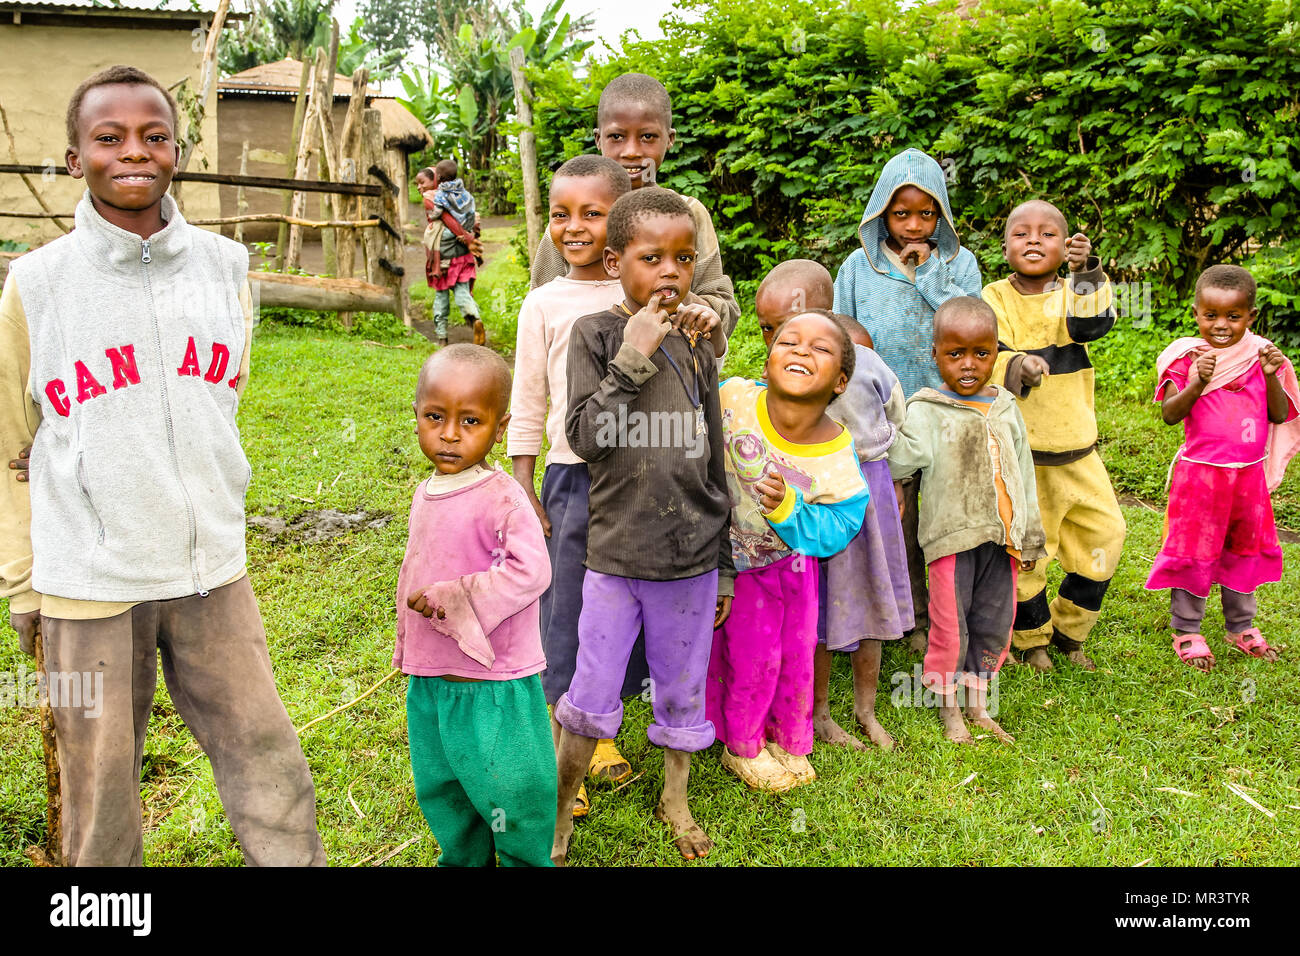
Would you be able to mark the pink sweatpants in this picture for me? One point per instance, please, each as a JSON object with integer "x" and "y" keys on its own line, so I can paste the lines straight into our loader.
{"x": 760, "y": 685}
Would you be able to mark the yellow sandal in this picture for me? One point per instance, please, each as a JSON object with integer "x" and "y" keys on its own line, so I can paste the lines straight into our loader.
{"x": 607, "y": 762}
{"x": 581, "y": 804}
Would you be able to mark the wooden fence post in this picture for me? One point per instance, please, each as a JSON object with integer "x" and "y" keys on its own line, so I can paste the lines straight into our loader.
{"x": 527, "y": 149}
{"x": 291, "y": 166}
{"x": 241, "y": 202}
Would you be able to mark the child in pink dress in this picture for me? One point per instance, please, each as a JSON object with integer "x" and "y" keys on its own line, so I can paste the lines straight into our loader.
{"x": 1237, "y": 397}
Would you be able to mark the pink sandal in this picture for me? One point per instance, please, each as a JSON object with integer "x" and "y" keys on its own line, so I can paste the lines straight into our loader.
{"x": 1249, "y": 641}
{"x": 1191, "y": 647}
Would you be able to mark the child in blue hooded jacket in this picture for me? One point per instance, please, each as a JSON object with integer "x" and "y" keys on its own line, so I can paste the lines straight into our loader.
{"x": 910, "y": 263}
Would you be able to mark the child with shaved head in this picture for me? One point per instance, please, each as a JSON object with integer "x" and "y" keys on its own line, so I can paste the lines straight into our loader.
{"x": 979, "y": 511}
{"x": 634, "y": 127}
{"x": 467, "y": 627}
{"x": 1044, "y": 325}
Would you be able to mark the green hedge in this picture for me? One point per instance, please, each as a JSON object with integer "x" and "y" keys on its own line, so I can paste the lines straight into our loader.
{"x": 1165, "y": 130}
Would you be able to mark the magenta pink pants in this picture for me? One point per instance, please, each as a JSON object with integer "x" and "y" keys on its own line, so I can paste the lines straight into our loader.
{"x": 760, "y": 685}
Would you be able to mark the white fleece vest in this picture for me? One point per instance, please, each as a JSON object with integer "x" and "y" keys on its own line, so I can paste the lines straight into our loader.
{"x": 138, "y": 477}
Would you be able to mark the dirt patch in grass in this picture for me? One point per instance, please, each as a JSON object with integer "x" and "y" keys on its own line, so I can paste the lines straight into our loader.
{"x": 313, "y": 527}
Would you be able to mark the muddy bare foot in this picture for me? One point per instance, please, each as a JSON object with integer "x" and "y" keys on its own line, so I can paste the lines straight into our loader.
{"x": 828, "y": 731}
{"x": 1081, "y": 659}
{"x": 954, "y": 728}
{"x": 692, "y": 842}
{"x": 563, "y": 833}
{"x": 980, "y": 718}
{"x": 1038, "y": 659}
{"x": 877, "y": 734}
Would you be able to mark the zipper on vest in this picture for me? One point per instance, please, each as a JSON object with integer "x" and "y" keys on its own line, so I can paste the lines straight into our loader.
{"x": 171, "y": 430}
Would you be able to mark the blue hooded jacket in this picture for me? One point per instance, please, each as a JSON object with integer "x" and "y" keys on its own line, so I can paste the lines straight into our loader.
{"x": 896, "y": 311}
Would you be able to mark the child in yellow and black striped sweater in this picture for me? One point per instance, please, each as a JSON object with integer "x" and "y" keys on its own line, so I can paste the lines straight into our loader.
{"x": 1043, "y": 325}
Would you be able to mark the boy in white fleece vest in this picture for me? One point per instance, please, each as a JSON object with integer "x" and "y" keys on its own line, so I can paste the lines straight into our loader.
{"x": 127, "y": 343}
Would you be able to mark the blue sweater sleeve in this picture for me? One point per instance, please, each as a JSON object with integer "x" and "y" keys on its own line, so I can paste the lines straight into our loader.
{"x": 939, "y": 281}
{"x": 823, "y": 529}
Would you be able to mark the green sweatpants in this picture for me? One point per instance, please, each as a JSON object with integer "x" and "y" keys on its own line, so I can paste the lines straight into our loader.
{"x": 484, "y": 768}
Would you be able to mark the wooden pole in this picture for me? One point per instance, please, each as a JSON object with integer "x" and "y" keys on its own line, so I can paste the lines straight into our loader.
{"x": 299, "y": 112}
{"x": 527, "y": 149}
{"x": 397, "y": 173}
{"x": 327, "y": 168}
{"x": 207, "y": 73}
{"x": 52, "y": 853}
{"x": 372, "y": 241}
{"x": 320, "y": 293}
{"x": 309, "y": 141}
{"x": 241, "y": 202}
{"x": 348, "y": 162}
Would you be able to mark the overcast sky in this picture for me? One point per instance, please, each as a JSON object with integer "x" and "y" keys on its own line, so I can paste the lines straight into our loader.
{"x": 612, "y": 17}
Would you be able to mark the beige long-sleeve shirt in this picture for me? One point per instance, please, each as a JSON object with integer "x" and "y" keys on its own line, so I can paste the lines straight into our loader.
{"x": 20, "y": 416}
{"x": 710, "y": 282}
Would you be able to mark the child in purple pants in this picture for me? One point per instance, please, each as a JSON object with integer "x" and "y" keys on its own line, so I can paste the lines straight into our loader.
{"x": 643, "y": 413}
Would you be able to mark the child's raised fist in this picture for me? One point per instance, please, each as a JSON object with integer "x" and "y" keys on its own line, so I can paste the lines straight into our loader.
{"x": 1205, "y": 367}
{"x": 645, "y": 331}
{"x": 1271, "y": 359}
{"x": 1032, "y": 370}
{"x": 1077, "y": 251}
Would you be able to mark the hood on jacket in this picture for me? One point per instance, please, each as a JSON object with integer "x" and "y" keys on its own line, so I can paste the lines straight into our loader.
{"x": 1003, "y": 400}
{"x": 911, "y": 167}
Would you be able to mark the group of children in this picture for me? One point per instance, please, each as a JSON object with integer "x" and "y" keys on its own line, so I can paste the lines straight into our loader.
{"x": 919, "y": 447}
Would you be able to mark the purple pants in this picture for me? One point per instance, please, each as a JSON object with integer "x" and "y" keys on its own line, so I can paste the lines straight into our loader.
{"x": 865, "y": 592}
{"x": 761, "y": 668}
{"x": 678, "y": 621}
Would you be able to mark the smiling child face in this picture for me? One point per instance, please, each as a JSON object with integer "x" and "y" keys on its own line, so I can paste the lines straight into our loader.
{"x": 637, "y": 137}
{"x": 806, "y": 358}
{"x": 1223, "y": 316}
{"x": 126, "y": 150}
{"x": 579, "y": 215}
{"x": 1035, "y": 240}
{"x": 660, "y": 257}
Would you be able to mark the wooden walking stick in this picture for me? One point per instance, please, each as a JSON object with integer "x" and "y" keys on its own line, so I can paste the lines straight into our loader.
{"x": 52, "y": 853}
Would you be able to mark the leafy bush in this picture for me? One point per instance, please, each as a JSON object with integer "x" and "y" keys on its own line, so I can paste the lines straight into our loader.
{"x": 1163, "y": 129}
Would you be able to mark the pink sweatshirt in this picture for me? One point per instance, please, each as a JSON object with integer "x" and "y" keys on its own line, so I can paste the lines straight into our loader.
{"x": 478, "y": 552}
{"x": 541, "y": 360}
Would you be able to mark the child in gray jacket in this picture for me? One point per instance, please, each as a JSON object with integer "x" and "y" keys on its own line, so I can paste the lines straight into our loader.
{"x": 979, "y": 512}
{"x": 123, "y": 350}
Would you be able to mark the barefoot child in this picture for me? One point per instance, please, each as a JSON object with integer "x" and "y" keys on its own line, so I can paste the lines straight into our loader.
{"x": 643, "y": 413}
{"x": 1237, "y": 398}
{"x": 582, "y": 192}
{"x": 1043, "y": 325}
{"x": 797, "y": 494}
{"x": 634, "y": 127}
{"x": 979, "y": 511}
{"x": 865, "y": 597}
{"x": 450, "y": 266}
{"x": 910, "y": 263}
{"x": 127, "y": 342}
{"x": 467, "y": 627}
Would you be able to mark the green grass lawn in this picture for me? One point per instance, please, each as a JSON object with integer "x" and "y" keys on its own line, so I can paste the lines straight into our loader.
{"x": 1128, "y": 764}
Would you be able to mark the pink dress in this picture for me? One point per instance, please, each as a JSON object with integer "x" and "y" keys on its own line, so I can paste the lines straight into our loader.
{"x": 1219, "y": 525}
